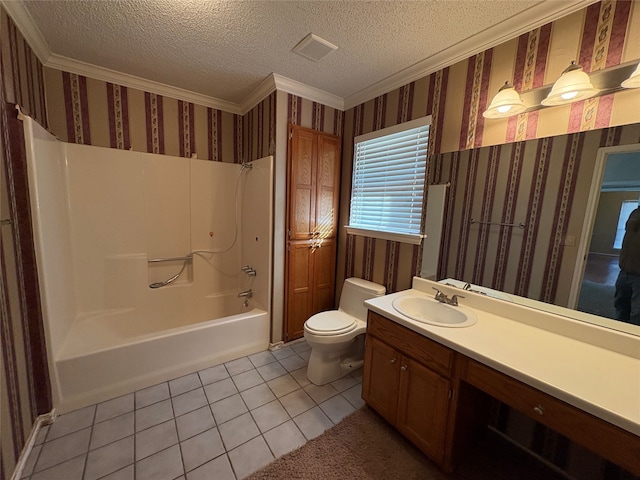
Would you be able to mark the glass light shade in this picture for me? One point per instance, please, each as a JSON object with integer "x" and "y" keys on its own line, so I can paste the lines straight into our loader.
{"x": 573, "y": 85}
{"x": 507, "y": 102}
{"x": 634, "y": 80}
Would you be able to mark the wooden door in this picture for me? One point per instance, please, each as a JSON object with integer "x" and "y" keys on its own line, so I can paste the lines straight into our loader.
{"x": 313, "y": 187}
{"x": 299, "y": 288}
{"x": 381, "y": 378}
{"x": 327, "y": 186}
{"x": 301, "y": 184}
{"x": 422, "y": 407}
{"x": 324, "y": 274}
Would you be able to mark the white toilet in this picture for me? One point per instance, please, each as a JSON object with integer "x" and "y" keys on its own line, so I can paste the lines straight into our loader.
{"x": 336, "y": 337}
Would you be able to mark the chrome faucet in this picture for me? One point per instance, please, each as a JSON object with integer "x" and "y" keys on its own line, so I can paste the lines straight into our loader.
{"x": 246, "y": 294}
{"x": 249, "y": 270}
{"x": 442, "y": 298}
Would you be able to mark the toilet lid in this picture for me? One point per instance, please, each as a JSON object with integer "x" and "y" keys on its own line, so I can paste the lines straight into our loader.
{"x": 330, "y": 323}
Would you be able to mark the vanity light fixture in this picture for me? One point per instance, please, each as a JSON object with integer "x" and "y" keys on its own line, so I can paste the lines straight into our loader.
{"x": 634, "y": 80}
{"x": 573, "y": 85}
{"x": 507, "y": 102}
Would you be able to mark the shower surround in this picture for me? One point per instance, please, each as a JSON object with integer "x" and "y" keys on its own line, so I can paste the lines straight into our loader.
{"x": 99, "y": 216}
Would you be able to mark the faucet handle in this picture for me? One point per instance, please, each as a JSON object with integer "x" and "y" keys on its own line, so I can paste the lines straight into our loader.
{"x": 454, "y": 300}
{"x": 440, "y": 296}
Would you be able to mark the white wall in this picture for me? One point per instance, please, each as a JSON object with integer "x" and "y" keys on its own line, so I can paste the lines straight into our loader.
{"x": 106, "y": 212}
{"x": 46, "y": 166}
{"x": 257, "y": 218}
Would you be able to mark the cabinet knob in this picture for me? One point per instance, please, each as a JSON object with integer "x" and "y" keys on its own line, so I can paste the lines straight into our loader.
{"x": 539, "y": 409}
{"x": 393, "y": 360}
{"x": 403, "y": 368}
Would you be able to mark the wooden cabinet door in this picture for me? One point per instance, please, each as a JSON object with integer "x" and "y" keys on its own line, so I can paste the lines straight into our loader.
{"x": 381, "y": 378}
{"x": 422, "y": 407}
{"x": 299, "y": 293}
{"x": 324, "y": 275}
{"x": 301, "y": 195}
{"x": 313, "y": 187}
{"x": 327, "y": 186}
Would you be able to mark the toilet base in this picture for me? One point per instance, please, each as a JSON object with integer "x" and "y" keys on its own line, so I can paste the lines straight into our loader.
{"x": 328, "y": 366}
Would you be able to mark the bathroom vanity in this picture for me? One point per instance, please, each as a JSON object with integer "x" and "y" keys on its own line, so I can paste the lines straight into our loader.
{"x": 435, "y": 383}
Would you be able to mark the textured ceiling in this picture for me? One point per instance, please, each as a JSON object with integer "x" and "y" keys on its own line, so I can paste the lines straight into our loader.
{"x": 224, "y": 49}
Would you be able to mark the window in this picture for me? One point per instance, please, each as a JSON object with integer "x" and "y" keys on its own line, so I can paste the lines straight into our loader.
{"x": 387, "y": 191}
{"x": 627, "y": 207}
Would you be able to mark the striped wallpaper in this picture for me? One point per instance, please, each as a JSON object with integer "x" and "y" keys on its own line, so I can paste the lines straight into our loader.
{"x": 602, "y": 35}
{"x": 259, "y": 124}
{"x": 309, "y": 114}
{"x": 94, "y": 112}
{"x": 543, "y": 183}
{"x": 24, "y": 379}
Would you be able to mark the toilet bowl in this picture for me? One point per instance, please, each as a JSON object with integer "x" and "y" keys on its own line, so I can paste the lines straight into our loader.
{"x": 336, "y": 337}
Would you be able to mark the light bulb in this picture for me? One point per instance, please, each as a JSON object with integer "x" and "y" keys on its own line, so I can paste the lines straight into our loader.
{"x": 504, "y": 108}
{"x": 569, "y": 95}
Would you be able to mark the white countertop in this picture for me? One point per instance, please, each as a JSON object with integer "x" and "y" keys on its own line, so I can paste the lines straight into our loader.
{"x": 597, "y": 380}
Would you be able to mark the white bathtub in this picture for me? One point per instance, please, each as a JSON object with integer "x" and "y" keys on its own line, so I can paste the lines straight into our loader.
{"x": 107, "y": 332}
{"x": 114, "y": 352}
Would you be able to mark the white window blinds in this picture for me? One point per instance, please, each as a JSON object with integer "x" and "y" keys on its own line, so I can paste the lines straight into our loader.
{"x": 388, "y": 179}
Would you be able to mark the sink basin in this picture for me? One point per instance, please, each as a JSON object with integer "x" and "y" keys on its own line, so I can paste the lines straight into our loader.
{"x": 428, "y": 310}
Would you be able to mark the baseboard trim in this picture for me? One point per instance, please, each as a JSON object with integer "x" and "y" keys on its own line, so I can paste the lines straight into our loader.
{"x": 41, "y": 421}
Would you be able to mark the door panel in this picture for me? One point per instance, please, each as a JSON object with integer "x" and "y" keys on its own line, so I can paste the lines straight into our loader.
{"x": 324, "y": 274}
{"x": 299, "y": 288}
{"x": 302, "y": 185}
{"x": 380, "y": 390}
{"x": 328, "y": 184}
{"x": 313, "y": 184}
{"x": 423, "y": 405}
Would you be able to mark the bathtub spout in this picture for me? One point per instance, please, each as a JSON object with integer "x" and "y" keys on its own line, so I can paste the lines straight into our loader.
{"x": 246, "y": 294}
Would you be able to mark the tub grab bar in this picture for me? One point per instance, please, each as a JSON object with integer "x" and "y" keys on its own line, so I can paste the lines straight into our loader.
{"x": 171, "y": 259}
{"x": 174, "y": 277}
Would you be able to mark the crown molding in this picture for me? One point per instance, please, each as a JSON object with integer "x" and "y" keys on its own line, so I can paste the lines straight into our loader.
{"x": 23, "y": 20}
{"x": 113, "y": 76}
{"x": 310, "y": 93}
{"x": 262, "y": 91}
{"x": 543, "y": 13}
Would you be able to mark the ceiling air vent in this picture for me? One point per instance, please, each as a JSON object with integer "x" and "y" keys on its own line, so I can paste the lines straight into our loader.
{"x": 313, "y": 47}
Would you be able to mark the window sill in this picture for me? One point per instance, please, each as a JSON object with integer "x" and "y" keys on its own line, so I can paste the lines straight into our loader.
{"x": 395, "y": 237}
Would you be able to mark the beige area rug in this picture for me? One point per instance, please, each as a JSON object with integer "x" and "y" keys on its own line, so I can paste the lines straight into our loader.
{"x": 364, "y": 446}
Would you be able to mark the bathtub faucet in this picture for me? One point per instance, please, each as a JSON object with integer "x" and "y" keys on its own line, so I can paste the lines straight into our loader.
{"x": 246, "y": 294}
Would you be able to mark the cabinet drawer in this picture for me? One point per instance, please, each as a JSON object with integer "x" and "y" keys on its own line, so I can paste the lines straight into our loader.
{"x": 603, "y": 438}
{"x": 431, "y": 354}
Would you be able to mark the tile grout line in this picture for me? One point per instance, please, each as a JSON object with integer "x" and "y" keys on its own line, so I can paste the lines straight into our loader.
{"x": 175, "y": 424}
{"x": 273, "y": 360}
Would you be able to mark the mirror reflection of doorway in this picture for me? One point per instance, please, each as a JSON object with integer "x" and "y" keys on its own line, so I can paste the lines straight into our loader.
{"x": 619, "y": 195}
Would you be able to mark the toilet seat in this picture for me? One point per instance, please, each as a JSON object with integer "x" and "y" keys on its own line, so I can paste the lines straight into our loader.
{"x": 333, "y": 322}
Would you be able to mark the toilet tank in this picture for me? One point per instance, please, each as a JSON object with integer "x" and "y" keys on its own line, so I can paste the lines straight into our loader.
{"x": 354, "y": 292}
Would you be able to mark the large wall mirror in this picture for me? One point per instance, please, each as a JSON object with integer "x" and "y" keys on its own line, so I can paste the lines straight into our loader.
{"x": 538, "y": 222}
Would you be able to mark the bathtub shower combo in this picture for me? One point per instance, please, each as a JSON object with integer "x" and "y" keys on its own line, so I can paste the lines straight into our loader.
{"x": 150, "y": 266}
